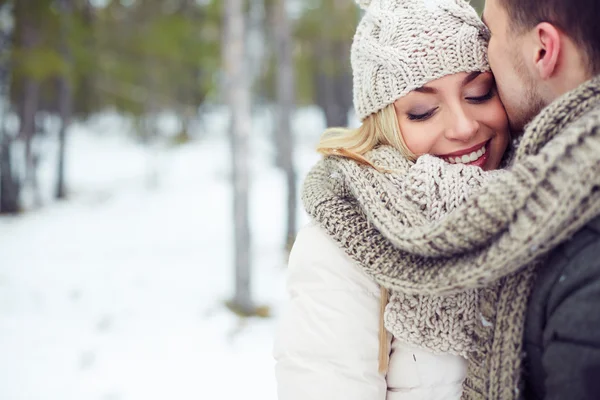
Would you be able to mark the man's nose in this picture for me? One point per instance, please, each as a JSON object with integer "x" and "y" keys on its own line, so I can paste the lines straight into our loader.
{"x": 463, "y": 127}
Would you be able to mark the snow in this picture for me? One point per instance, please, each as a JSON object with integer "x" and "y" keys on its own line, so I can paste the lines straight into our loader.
{"x": 117, "y": 294}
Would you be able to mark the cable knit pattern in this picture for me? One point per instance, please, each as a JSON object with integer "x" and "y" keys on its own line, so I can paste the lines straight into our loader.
{"x": 401, "y": 45}
{"x": 415, "y": 194}
{"x": 431, "y": 189}
{"x": 492, "y": 241}
{"x": 439, "y": 324}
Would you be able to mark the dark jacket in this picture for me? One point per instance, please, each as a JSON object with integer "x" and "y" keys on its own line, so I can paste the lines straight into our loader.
{"x": 562, "y": 329}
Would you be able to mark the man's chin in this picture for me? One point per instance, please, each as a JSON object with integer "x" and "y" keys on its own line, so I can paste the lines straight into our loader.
{"x": 516, "y": 128}
{"x": 518, "y": 121}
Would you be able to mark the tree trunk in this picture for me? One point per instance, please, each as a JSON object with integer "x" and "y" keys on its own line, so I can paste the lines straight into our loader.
{"x": 238, "y": 99}
{"x": 286, "y": 96}
{"x": 65, "y": 97}
{"x": 27, "y": 39}
{"x": 328, "y": 81}
{"x": 29, "y": 100}
{"x": 333, "y": 77}
{"x": 9, "y": 186}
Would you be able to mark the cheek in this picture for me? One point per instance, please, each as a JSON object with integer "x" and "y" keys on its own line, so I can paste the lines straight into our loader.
{"x": 419, "y": 137}
{"x": 497, "y": 121}
{"x": 495, "y": 116}
{"x": 509, "y": 78}
{"x": 500, "y": 64}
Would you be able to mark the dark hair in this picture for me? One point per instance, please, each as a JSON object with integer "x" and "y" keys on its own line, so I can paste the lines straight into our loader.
{"x": 576, "y": 18}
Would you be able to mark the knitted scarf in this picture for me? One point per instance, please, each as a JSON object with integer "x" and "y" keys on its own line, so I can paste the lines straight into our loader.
{"x": 415, "y": 234}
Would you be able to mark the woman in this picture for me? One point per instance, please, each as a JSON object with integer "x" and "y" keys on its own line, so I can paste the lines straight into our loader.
{"x": 422, "y": 86}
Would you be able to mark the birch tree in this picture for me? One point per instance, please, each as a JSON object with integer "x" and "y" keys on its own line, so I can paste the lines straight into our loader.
{"x": 28, "y": 15}
{"x": 9, "y": 184}
{"x": 237, "y": 91}
{"x": 65, "y": 94}
{"x": 286, "y": 95}
{"x": 324, "y": 35}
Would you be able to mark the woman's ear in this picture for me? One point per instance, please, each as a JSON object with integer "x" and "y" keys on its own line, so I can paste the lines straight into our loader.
{"x": 547, "y": 48}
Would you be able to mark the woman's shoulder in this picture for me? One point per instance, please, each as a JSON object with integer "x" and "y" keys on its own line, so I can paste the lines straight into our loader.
{"x": 317, "y": 259}
{"x": 313, "y": 244}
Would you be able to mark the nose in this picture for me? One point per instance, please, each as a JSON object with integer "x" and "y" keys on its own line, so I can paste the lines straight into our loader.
{"x": 462, "y": 127}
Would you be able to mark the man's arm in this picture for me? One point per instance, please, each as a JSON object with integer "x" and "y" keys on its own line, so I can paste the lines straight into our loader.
{"x": 571, "y": 351}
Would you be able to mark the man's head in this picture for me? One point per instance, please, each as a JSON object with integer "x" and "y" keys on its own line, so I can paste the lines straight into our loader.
{"x": 540, "y": 49}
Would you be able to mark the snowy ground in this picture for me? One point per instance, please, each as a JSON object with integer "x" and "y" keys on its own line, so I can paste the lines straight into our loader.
{"x": 117, "y": 294}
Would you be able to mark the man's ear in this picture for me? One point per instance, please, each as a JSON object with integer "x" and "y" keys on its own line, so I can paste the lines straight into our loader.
{"x": 547, "y": 48}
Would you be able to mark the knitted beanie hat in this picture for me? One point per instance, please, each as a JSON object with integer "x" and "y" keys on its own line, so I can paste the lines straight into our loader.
{"x": 400, "y": 45}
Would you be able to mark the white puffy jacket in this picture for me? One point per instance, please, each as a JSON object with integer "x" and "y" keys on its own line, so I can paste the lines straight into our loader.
{"x": 327, "y": 342}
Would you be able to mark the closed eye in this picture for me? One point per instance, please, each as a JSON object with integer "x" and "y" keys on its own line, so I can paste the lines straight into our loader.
{"x": 482, "y": 99}
{"x": 421, "y": 117}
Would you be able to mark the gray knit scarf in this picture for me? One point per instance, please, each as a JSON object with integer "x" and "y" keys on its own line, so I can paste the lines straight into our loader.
{"x": 460, "y": 257}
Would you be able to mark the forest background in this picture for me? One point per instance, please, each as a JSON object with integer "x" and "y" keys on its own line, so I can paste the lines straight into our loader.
{"x": 151, "y": 158}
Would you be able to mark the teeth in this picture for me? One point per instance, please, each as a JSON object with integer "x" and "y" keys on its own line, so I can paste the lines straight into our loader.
{"x": 467, "y": 158}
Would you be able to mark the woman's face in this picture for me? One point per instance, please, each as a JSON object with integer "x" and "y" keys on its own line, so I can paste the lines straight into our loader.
{"x": 458, "y": 118}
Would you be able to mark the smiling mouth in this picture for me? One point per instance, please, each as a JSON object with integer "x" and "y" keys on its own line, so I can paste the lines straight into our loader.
{"x": 468, "y": 158}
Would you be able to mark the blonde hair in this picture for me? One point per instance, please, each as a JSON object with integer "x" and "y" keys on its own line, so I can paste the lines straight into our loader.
{"x": 377, "y": 129}
{"x": 380, "y": 128}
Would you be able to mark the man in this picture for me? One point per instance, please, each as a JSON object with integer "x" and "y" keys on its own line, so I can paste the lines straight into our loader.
{"x": 538, "y": 51}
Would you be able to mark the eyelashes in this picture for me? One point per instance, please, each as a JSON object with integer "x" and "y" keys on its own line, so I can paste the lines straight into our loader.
{"x": 482, "y": 99}
{"x": 473, "y": 100}
{"x": 421, "y": 117}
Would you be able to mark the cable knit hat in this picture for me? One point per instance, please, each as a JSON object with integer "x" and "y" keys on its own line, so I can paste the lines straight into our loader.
{"x": 400, "y": 45}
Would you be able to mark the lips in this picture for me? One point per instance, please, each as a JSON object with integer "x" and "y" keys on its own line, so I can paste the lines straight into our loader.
{"x": 476, "y": 155}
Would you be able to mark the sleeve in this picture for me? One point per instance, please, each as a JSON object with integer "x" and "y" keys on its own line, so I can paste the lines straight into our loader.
{"x": 571, "y": 354}
{"x": 327, "y": 342}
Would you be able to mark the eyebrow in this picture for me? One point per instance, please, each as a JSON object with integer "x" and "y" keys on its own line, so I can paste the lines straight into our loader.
{"x": 468, "y": 79}
{"x": 471, "y": 77}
